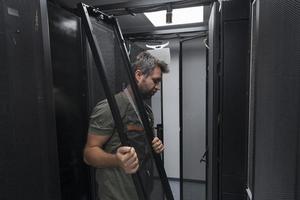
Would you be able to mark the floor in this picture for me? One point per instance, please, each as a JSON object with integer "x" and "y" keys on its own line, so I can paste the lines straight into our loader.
{"x": 191, "y": 190}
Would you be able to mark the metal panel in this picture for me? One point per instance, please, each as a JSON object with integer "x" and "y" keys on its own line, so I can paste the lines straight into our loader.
{"x": 234, "y": 107}
{"x": 253, "y": 43}
{"x": 235, "y": 9}
{"x": 212, "y": 104}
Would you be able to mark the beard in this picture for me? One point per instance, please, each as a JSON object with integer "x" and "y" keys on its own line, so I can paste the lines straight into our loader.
{"x": 146, "y": 94}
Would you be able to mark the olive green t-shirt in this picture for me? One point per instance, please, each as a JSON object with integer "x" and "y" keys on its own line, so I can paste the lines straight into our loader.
{"x": 113, "y": 183}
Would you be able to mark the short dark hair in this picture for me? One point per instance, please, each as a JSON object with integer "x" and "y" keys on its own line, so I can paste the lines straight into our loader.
{"x": 146, "y": 63}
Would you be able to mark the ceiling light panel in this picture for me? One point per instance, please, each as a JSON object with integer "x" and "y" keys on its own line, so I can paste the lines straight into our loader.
{"x": 180, "y": 16}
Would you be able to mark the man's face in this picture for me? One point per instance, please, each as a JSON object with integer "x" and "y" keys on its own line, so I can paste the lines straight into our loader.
{"x": 148, "y": 85}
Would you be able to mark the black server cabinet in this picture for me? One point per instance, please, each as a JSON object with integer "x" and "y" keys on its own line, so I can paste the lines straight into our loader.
{"x": 29, "y": 163}
{"x": 227, "y": 100}
{"x": 274, "y": 147}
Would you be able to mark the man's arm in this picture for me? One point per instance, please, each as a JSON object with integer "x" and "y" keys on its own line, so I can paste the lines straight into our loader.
{"x": 94, "y": 155}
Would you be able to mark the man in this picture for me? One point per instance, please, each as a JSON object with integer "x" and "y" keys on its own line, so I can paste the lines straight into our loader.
{"x": 114, "y": 163}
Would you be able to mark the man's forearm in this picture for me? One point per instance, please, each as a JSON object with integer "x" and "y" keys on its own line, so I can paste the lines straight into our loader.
{"x": 98, "y": 158}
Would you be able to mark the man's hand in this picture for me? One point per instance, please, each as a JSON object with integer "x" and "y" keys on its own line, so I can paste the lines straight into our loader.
{"x": 127, "y": 159}
{"x": 157, "y": 145}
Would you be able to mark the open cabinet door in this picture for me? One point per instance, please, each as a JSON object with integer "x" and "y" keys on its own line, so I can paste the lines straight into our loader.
{"x": 212, "y": 103}
{"x": 107, "y": 45}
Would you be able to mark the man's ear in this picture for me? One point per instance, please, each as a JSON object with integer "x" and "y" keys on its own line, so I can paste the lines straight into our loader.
{"x": 138, "y": 75}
